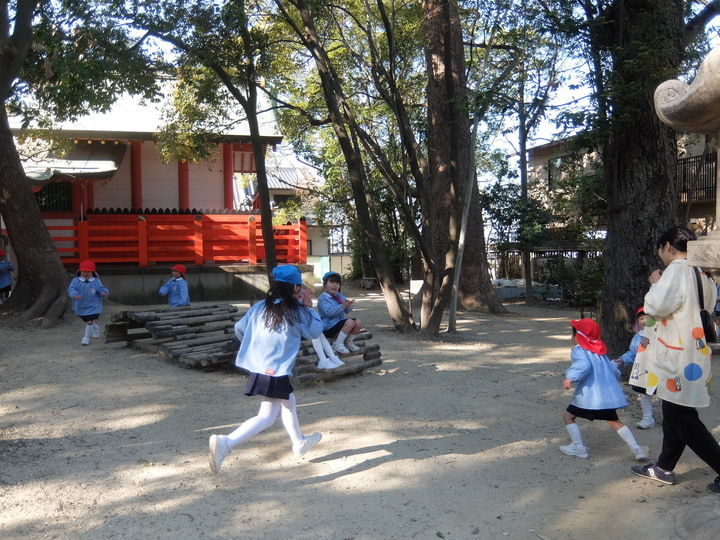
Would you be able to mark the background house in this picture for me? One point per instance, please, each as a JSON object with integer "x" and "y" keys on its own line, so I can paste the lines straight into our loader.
{"x": 696, "y": 181}
{"x": 560, "y": 160}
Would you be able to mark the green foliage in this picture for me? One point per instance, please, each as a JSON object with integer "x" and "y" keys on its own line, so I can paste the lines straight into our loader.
{"x": 289, "y": 211}
{"x": 577, "y": 198}
{"x": 581, "y": 279}
{"x": 81, "y": 60}
{"x": 513, "y": 219}
{"x": 200, "y": 109}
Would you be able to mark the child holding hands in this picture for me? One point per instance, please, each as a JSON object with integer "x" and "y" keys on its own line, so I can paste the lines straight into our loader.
{"x": 628, "y": 359}
{"x": 597, "y": 391}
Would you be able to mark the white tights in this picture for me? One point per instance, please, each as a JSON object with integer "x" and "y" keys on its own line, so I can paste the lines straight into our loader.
{"x": 269, "y": 409}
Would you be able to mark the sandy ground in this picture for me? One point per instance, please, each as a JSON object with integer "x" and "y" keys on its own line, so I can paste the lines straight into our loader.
{"x": 456, "y": 438}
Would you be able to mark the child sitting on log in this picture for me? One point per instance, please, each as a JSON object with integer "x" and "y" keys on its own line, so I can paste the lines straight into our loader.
{"x": 327, "y": 359}
{"x": 333, "y": 308}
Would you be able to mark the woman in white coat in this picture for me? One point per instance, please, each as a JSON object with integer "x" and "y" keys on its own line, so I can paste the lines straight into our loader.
{"x": 675, "y": 364}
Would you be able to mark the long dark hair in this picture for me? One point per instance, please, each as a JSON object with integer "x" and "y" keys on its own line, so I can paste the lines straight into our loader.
{"x": 677, "y": 236}
{"x": 280, "y": 304}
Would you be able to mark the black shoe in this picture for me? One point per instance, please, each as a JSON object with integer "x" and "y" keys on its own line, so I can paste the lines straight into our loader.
{"x": 715, "y": 486}
{"x": 652, "y": 471}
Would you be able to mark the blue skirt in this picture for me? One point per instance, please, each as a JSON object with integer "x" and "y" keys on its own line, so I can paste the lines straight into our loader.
{"x": 259, "y": 384}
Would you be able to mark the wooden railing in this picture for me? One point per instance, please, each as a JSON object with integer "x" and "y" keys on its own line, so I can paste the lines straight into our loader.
{"x": 198, "y": 239}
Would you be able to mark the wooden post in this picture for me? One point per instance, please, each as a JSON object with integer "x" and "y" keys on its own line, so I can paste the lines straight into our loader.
{"x": 83, "y": 229}
{"x": 142, "y": 233}
{"x": 199, "y": 244}
{"x": 136, "y": 198}
{"x": 302, "y": 248}
{"x": 252, "y": 241}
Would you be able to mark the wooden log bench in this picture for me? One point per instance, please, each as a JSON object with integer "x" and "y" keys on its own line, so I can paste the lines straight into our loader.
{"x": 203, "y": 337}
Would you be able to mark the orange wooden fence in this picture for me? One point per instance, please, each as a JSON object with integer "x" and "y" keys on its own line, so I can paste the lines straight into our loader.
{"x": 196, "y": 239}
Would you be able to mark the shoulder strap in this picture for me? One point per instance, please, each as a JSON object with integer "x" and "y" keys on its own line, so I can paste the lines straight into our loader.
{"x": 701, "y": 300}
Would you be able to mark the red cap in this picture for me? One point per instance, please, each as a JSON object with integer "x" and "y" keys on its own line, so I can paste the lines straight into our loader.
{"x": 87, "y": 266}
{"x": 180, "y": 268}
{"x": 588, "y": 335}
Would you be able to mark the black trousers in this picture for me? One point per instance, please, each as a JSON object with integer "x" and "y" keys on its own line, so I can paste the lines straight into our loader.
{"x": 682, "y": 427}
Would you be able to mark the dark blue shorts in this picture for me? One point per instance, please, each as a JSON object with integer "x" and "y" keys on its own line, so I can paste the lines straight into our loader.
{"x": 334, "y": 330}
{"x": 593, "y": 414}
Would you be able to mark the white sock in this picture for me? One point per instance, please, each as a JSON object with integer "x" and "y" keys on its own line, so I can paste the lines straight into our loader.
{"x": 326, "y": 347}
{"x": 627, "y": 436}
{"x": 575, "y": 436}
{"x": 646, "y": 406}
{"x": 341, "y": 337}
{"x": 88, "y": 330}
{"x": 319, "y": 351}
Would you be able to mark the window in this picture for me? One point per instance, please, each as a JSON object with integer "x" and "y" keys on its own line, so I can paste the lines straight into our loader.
{"x": 554, "y": 171}
{"x": 338, "y": 240}
{"x": 55, "y": 197}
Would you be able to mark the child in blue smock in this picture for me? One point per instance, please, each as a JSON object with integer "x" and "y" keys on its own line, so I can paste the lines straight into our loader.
{"x": 270, "y": 334}
{"x": 597, "y": 391}
{"x": 334, "y": 308}
{"x": 87, "y": 292}
{"x": 6, "y": 280}
{"x": 176, "y": 288}
{"x": 628, "y": 359}
{"x": 327, "y": 359}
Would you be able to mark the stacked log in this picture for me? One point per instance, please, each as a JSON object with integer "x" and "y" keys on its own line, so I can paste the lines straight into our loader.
{"x": 202, "y": 337}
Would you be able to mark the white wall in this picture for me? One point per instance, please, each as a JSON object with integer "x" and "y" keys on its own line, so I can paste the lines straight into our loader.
{"x": 206, "y": 184}
{"x": 160, "y": 183}
{"x": 115, "y": 193}
{"x": 159, "y": 180}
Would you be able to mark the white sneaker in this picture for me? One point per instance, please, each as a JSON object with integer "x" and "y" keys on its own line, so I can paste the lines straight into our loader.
{"x": 85, "y": 341}
{"x": 639, "y": 452}
{"x": 339, "y": 347}
{"x": 96, "y": 331}
{"x": 336, "y": 361}
{"x": 218, "y": 451}
{"x": 578, "y": 450}
{"x": 646, "y": 423}
{"x": 326, "y": 363}
{"x": 308, "y": 442}
{"x": 351, "y": 346}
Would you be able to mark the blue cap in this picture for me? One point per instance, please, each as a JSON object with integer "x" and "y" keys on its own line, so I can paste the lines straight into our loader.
{"x": 331, "y": 273}
{"x": 287, "y": 273}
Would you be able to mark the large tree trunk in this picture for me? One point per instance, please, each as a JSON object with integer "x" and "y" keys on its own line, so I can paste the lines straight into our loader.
{"x": 639, "y": 155}
{"x": 41, "y": 289}
{"x": 476, "y": 292}
{"x": 449, "y": 160}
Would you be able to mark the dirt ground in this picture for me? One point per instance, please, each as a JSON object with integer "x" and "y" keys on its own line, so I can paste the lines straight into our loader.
{"x": 456, "y": 438}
